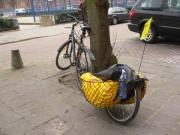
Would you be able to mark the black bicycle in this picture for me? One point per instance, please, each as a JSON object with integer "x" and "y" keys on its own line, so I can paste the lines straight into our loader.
{"x": 74, "y": 53}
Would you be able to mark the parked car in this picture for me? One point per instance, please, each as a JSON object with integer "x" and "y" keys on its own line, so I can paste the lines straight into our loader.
{"x": 72, "y": 8}
{"x": 166, "y": 18}
{"x": 20, "y": 10}
{"x": 117, "y": 14}
{"x": 1, "y": 12}
{"x": 7, "y": 13}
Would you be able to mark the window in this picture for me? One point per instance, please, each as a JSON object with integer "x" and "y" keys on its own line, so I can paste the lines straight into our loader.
{"x": 172, "y": 5}
{"x": 117, "y": 10}
{"x": 114, "y": 10}
{"x": 146, "y": 4}
{"x": 123, "y": 9}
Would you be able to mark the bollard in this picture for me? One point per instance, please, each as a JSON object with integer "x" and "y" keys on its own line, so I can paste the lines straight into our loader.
{"x": 16, "y": 60}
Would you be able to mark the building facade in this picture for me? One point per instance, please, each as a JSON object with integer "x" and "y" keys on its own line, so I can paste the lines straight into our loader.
{"x": 122, "y": 3}
{"x": 53, "y": 5}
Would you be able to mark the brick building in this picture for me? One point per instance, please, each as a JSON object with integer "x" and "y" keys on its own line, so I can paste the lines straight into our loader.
{"x": 122, "y": 3}
{"x": 42, "y": 5}
{"x": 39, "y": 4}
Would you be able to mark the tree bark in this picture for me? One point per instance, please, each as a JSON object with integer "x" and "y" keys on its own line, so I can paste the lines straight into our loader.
{"x": 97, "y": 13}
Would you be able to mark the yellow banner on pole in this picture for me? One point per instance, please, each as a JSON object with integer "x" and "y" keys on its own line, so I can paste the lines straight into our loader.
{"x": 146, "y": 29}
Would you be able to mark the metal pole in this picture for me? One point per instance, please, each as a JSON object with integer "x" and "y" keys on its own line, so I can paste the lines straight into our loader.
{"x": 33, "y": 10}
{"x": 142, "y": 57}
{"x": 48, "y": 6}
{"x": 126, "y": 3}
{"x": 111, "y": 3}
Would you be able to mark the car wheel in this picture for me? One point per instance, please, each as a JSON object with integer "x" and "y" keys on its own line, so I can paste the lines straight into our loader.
{"x": 152, "y": 37}
{"x": 114, "y": 21}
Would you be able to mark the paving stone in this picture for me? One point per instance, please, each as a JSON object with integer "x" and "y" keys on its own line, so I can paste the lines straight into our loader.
{"x": 171, "y": 109}
{"x": 77, "y": 99}
{"x": 144, "y": 114}
{"x": 2, "y": 132}
{"x": 8, "y": 95}
{"x": 18, "y": 102}
{"x": 141, "y": 118}
{"x": 7, "y": 116}
{"x": 26, "y": 89}
{"x": 35, "y": 113}
{"x": 55, "y": 126}
{"x": 110, "y": 129}
{"x": 90, "y": 125}
{"x": 35, "y": 132}
{"x": 175, "y": 100}
{"x": 152, "y": 102}
{"x": 38, "y": 116}
{"x": 73, "y": 131}
{"x": 19, "y": 127}
{"x": 176, "y": 129}
{"x": 149, "y": 129}
{"x": 156, "y": 83}
{"x": 168, "y": 122}
{"x": 71, "y": 114}
{"x": 26, "y": 108}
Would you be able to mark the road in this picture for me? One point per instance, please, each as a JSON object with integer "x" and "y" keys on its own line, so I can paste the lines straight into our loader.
{"x": 33, "y": 102}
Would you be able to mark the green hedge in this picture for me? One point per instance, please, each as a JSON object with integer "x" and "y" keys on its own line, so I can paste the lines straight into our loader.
{"x": 8, "y": 24}
{"x": 62, "y": 17}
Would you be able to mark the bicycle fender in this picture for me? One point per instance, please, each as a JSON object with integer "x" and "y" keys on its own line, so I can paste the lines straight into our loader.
{"x": 89, "y": 52}
{"x": 67, "y": 42}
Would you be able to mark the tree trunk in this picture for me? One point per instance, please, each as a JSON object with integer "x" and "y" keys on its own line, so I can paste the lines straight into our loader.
{"x": 97, "y": 13}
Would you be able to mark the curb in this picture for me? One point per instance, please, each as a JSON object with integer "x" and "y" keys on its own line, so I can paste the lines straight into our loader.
{"x": 21, "y": 40}
{"x": 29, "y": 23}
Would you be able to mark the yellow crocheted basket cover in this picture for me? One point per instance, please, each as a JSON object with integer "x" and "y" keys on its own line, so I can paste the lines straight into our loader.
{"x": 99, "y": 93}
{"x": 103, "y": 94}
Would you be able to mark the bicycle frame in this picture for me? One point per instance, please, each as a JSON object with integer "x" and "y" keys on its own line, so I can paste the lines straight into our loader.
{"x": 73, "y": 46}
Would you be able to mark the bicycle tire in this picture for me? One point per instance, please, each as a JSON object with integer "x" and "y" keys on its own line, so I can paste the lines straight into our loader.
{"x": 80, "y": 67}
{"x": 60, "y": 56}
{"x": 113, "y": 113}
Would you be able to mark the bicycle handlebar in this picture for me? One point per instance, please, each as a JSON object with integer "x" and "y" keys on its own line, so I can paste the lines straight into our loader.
{"x": 74, "y": 18}
{"x": 84, "y": 29}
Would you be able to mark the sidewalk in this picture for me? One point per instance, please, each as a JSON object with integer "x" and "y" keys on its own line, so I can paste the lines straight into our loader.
{"x": 28, "y": 20}
{"x": 34, "y": 102}
{"x": 32, "y": 33}
{"x": 37, "y": 104}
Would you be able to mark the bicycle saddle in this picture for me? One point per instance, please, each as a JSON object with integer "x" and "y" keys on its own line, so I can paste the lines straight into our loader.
{"x": 86, "y": 28}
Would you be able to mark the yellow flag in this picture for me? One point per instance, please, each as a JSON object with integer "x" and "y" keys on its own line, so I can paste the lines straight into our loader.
{"x": 147, "y": 27}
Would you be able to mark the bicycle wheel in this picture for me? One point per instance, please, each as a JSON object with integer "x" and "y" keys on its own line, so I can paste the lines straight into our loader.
{"x": 63, "y": 57}
{"x": 84, "y": 64}
{"x": 125, "y": 113}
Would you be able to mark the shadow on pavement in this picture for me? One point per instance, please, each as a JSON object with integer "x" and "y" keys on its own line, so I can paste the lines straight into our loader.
{"x": 169, "y": 41}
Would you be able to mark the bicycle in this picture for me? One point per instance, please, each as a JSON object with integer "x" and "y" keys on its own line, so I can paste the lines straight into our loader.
{"x": 76, "y": 54}
{"x": 73, "y": 52}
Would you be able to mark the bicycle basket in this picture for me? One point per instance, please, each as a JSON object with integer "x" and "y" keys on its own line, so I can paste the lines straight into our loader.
{"x": 99, "y": 93}
{"x": 103, "y": 94}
